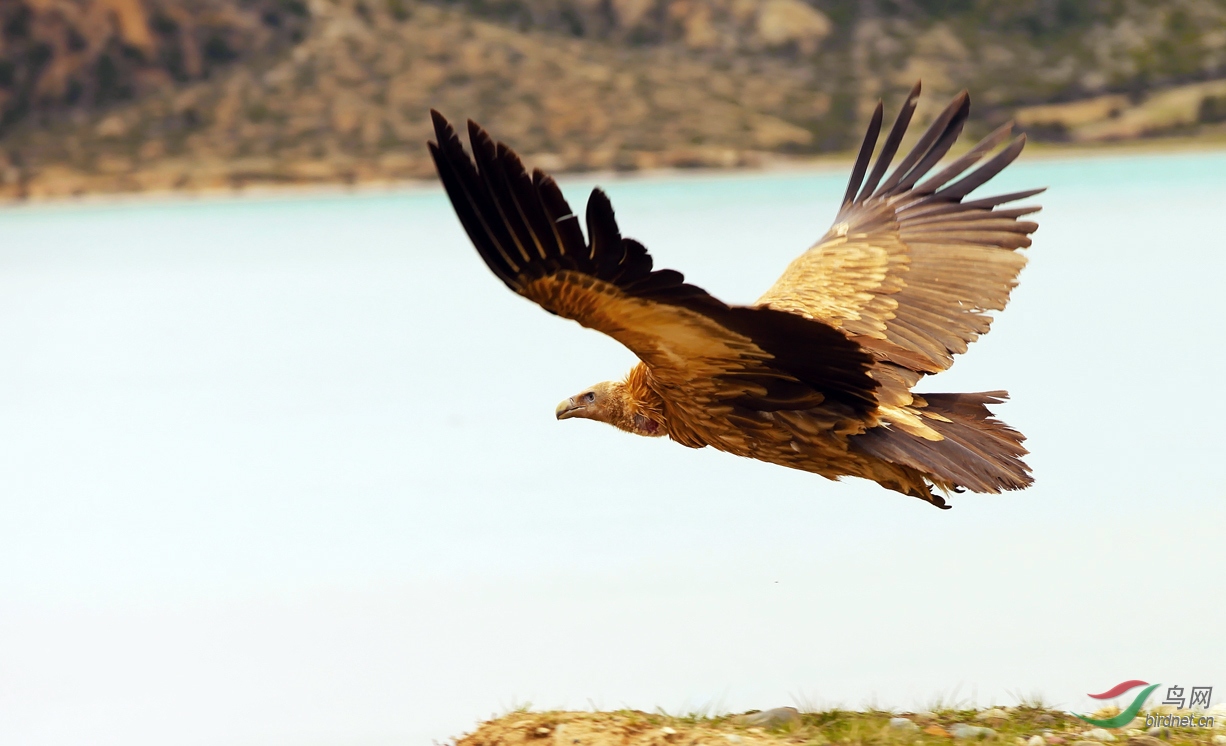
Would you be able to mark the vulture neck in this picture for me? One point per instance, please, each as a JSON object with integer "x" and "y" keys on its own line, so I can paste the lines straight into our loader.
{"x": 642, "y": 410}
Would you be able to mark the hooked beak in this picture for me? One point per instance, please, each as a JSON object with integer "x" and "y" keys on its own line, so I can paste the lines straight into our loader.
{"x": 568, "y": 409}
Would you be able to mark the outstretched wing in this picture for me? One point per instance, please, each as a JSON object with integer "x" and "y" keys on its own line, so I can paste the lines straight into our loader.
{"x": 909, "y": 270}
{"x": 702, "y": 352}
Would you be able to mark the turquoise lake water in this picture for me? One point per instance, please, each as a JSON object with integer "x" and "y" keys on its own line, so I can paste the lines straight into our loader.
{"x": 286, "y": 471}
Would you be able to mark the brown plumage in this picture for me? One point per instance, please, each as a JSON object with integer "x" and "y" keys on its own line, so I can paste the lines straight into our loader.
{"x": 817, "y": 375}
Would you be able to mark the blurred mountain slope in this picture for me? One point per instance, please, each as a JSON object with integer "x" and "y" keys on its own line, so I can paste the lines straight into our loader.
{"x": 72, "y": 55}
{"x": 128, "y": 95}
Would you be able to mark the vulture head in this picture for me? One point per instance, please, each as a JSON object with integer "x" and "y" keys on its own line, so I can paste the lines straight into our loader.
{"x": 613, "y": 402}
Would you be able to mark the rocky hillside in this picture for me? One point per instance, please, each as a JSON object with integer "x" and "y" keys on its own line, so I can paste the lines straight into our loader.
{"x": 65, "y": 56}
{"x": 127, "y": 95}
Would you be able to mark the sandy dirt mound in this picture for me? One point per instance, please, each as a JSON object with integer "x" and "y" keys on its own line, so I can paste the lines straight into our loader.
{"x": 612, "y": 729}
{"x": 1010, "y": 726}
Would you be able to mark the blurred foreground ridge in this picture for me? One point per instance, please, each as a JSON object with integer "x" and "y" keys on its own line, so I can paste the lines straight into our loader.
{"x": 131, "y": 95}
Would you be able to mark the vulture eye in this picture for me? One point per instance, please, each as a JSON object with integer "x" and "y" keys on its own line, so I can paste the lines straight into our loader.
{"x": 589, "y": 397}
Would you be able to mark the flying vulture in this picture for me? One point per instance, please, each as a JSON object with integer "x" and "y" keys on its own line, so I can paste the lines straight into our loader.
{"x": 818, "y": 374}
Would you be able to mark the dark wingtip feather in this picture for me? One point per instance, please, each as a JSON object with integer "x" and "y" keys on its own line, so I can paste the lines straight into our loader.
{"x": 604, "y": 239}
{"x": 932, "y": 145}
{"x": 443, "y": 131}
{"x": 635, "y": 266}
{"x": 988, "y": 203}
{"x": 865, "y": 155}
{"x": 984, "y": 173}
{"x": 440, "y": 122}
{"x": 551, "y": 196}
{"x": 451, "y": 169}
{"x": 892, "y": 141}
{"x": 600, "y": 211}
{"x": 970, "y": 158}
{"x": 941, "y": 146}
{"x": 481, "y": 141}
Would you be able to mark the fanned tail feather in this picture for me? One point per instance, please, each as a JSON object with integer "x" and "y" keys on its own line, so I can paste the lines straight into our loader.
{"x": 978, "y": 453}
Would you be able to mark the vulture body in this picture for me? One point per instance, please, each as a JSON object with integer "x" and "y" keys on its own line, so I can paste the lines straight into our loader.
{"x": 817, "y": 375}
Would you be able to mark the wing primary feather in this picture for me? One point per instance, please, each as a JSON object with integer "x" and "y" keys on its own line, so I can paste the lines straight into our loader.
{"x": 1017, "y": 212}
{"x": 486, "y": 154}
{"x": 551, "y": 196}
{"x": 636, "y": 263}
{"x": 604, "y": 239}
{"x": 892, "y": 141}
{"x": 1000, "y": 199}
{"x": 653, "y": 283}
{"x": 928, "y": 208}
{"x": 463, "y": 185}
{"x": 981, "y": 175}
{"x": 946, "y": 119}
{"x": 964, "y": 219}
{"x": 968, "y": 159}
{"x": 565, "y": 222}
{"x": 470, "y": 218}
{"x": 528, "y": 202}
{"x": 866, "y": 154}
{"x": 939, "y": 149}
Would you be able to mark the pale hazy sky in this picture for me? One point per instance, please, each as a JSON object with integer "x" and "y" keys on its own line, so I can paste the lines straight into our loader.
{"x": 286, "y": 471}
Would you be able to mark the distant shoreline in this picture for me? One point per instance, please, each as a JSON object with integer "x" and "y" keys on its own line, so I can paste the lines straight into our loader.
{"x": 769, "y": 164}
